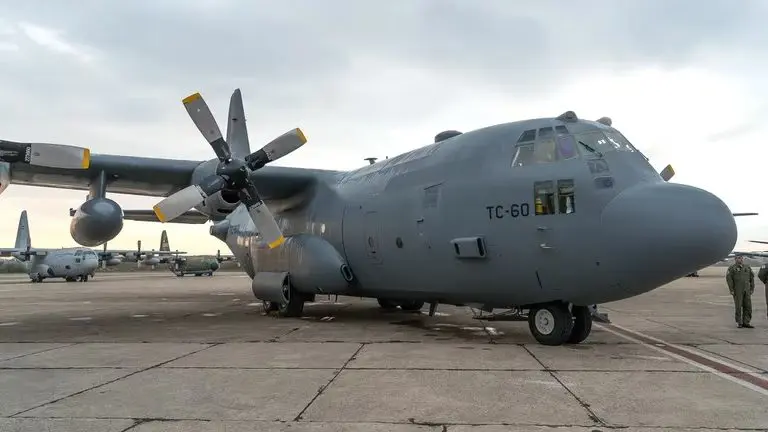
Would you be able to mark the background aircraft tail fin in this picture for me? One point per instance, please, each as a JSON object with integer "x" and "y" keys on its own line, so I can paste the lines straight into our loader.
{"x": 23, "y": 239}
{"x": 164, "y": 245}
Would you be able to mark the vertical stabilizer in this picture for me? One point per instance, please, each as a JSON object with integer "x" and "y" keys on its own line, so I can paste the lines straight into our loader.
{"x": 23, "y": 240}
{"x": 237, "y": 133}
{"x": 164, "y": 245}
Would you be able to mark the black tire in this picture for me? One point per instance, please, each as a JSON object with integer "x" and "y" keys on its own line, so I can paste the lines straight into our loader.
{"x": 582, "y": 324}
{"x": 387, "y": 304}
{"x": 411, "y": 305}
{"x": 294, "y": 304}
{"x": 550, "y": 324}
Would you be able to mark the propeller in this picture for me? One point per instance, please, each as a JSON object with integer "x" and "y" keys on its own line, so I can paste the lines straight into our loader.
{"x": 232, "y": 173}
{"x": 46, "y": 155}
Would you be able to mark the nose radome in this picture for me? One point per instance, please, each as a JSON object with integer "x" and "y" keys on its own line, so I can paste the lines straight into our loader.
{"x": 667, "y": 229}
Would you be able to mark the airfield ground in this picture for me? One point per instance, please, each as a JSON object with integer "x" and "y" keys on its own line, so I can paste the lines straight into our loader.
{"x": 152, "y": 352}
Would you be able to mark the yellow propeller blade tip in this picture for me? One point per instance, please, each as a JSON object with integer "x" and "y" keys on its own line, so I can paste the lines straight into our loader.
{"x": 191, "y": 98}
{"x": 86, "y": 158}
{"x": 301, "y": 135}
{"x": 159, "y": 213}
{"x": 277, "y": 242}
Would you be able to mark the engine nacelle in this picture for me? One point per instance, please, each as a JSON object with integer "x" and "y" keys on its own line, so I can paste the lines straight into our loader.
{"x": 220, "y": 204}
{"x": 97, "y": 221}
{"x": 151, "y": 261}
{"x": 114, "y": 262}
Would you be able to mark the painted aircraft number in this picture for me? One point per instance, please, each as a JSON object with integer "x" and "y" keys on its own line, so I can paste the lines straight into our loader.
{"x": 514, "y": 210}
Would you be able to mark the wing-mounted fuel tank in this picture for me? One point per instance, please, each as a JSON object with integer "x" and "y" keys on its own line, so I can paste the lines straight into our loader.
{"x": 309, "y": 263}
{"x": 96, "y": 221}
{"x": 99, "y": 219}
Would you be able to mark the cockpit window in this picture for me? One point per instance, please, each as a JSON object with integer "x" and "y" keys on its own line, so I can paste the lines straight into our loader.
{"x": 566, "y": 147}
{"x": 528, "y": 135}
{"x": 604, "y": 142}
{"x": 78, "y": 253}
{"x": 523, "y": 155}
{"x": 546, "y": 132}
{"x": 544, "y": 151}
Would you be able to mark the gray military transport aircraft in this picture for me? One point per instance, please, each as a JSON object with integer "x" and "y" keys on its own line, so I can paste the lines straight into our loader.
{"x": 545, "y": 215}
{"x": 72, "y": 264}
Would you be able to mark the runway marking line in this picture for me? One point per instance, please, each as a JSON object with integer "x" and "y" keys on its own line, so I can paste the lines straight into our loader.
{"x": 723, "y": 369}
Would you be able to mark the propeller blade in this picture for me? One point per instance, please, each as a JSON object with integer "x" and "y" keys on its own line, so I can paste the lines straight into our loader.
{"x": 237, "y": 132}
{"x": 667, "y": 173}
{"x": 266, "y": 225}
{"x": 47, "y": 155}
{"x": 201, "y": 115}
{"x": 183, "y": 200}
{"x": 277, "y": 148}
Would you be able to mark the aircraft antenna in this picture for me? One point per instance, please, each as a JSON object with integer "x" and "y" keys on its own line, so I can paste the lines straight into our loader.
{"x": 371, "y": 160}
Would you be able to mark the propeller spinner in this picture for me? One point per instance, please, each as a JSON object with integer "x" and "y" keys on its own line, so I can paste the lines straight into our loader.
{"x": 232, "y": 173}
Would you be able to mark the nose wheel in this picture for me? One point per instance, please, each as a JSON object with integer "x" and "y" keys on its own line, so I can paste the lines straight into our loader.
{"x": 555, "y": 323}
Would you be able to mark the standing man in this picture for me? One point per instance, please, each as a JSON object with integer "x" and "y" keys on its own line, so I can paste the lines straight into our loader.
{"x": 741, "y": 284}
{"x": 763, "y": 276}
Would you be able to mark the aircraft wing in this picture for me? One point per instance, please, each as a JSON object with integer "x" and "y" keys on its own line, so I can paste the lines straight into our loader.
{"x": 155, "y": 177}
{"x": 10, "y": 252}
{"x": 759, "y": 241}
{"x": 190, "y": 217}
{"x": 749, "y": 254}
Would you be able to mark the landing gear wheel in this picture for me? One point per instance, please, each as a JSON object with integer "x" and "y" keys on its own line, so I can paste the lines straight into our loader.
{"x": 387, "y": 304}
{"x": 551, "y": 324}
{"x": 294, "y": 304}
{"x": 70, "y": 279}
{"x": 411, "y": 305}
{"x": 582, "y": 324}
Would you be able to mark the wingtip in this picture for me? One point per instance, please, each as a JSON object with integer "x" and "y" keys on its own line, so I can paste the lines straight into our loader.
{"x": 191, "y": 98}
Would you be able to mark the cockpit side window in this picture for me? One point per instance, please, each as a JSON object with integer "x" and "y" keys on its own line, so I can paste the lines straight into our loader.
{"x": 604, "y": 142}
{"x": 78, "y": 253}
{"x": 529, "y": 135}
{"x": 523, "y": 155}
{"x": 619, "y": 142}
{"x": 566, "y": 147}
{"x": 544, "y": 197}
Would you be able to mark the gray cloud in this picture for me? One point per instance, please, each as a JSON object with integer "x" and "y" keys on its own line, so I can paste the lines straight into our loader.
{"x": 296, "y": 55}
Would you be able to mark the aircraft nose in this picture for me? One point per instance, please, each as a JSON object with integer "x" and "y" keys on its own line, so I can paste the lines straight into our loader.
{"x": 662, "y": 231}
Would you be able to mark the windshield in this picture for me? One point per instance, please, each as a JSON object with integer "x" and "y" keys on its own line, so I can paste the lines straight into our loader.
{"x": 604, "y": 142}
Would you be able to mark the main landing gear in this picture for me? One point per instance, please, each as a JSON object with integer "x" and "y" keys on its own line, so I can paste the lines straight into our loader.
{"x": 555, "y": 323}
{"x": 292, "y": 304}
{"x": 81, "y": 278}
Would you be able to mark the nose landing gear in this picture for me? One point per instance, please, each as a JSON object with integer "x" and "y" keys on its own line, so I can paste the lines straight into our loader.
{"x": 555, "y": 323}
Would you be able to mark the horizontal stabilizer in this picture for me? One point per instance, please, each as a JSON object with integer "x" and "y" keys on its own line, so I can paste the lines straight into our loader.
{"x": 759, "y": 241}
{"x": 188, "y": 217}
{"x": 745, "y": 214}
{"x": 5, "y": 252}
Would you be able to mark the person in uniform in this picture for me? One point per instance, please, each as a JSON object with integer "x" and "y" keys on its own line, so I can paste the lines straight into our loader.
{"x": 763, "y": 276}
{"x": 741, "y": 284}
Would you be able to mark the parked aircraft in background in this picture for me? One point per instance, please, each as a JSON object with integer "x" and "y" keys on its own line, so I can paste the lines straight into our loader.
{"x": 72, "y": 264}
{"x": 545, "y": 215}
{"x": 113, "y": 257}
{"x": 197, "y": 266}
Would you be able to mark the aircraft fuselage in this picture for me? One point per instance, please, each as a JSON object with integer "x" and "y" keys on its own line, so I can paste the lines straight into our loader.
{"x": 68, "y": 263}
{"x": 471, "y": 220}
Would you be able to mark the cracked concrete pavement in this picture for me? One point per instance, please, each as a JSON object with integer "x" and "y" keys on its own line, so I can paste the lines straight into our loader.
{"x": 149, "y": 353}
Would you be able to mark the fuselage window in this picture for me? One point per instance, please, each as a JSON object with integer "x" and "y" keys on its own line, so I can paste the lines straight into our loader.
{"x": 544, "y": 197}
{"x": 565, "y": 196}
{"x": 528, "y": 135}
{"x": 523, "y": 155}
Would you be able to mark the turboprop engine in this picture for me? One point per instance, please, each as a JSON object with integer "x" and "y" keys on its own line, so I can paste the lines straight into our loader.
{"x": 96, "y": 221}
{"x": 114, "y": 261}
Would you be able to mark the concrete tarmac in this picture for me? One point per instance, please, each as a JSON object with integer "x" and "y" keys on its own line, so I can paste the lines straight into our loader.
{"x": 156, "y": 353}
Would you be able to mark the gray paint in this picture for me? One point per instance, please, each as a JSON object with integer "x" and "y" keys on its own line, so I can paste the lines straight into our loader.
{"x": 50, "y": 263}
{"x": 396, "y": 223}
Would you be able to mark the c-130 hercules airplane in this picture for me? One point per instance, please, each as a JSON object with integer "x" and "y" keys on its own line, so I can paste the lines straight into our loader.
{"x": 546, "y": 215}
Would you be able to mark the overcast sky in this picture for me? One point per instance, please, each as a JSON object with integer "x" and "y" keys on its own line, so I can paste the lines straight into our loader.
{"x": 685, "y": 81}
